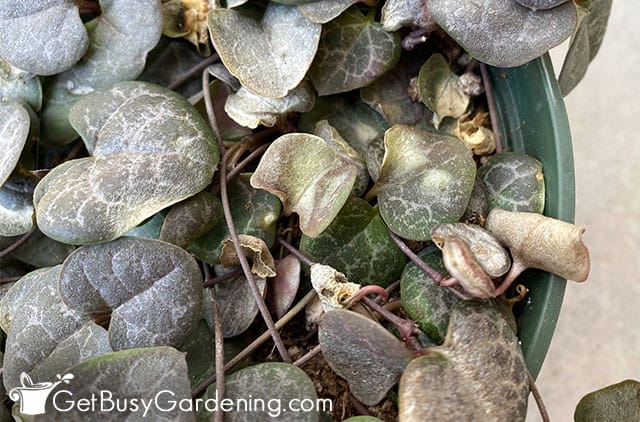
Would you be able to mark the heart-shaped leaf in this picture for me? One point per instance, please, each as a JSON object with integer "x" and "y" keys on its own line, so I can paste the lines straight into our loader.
{"x": 425, "y": 180}
{"x": 324, "y": 11}
{"x": 156, "y": 376}
{"x": 310, "y": 176}
{"x": 130, "y": 276}
{"x": 255, "y": 249}
{"x": 255, "y": 212}
{"x": 121, "y": 38}
{"x": 503, "y": 33}
{"x": 545, "y": 243}
{"x": 191, "y": 218}
{"x": 513, "y": 181}
{"x": 358, "y": 244}
{"x": 44, "y": 37}
{"x": 269, "y": 57}
{"x": 493, "y": 258}
{"x": 236, "y": 303}
{"x": 16, "y": 211}
{"x": 269, "y": 383}
{"x": 360, "y": 350}
{"x": 284, "y": 287}
{"x": 585, "y": 44}
{"x": 440, "y": 90}
{"x": 471, "y": 374}
{"x": 36, "y": 320}
{"x": 399, "y": 13}
{"x": 14, "y": 130}
{"x": 251, "y": 110}
{"x": 354, "y": 51}
{"x": 150, "y": 149}
{"x": 428, "y": 304}
{"x": 617, "y": 402}
{"x": 389, "y": 95}
{"x": 89, "y": 341}
{"x": 18, "y": 87}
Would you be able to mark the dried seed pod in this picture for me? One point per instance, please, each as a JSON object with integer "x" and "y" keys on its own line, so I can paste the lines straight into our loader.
{"x": 462, "y": 265}
{"x": 541, "y": 242}
{"x": 333, "y": 288}
{"x": 487, "y": 251}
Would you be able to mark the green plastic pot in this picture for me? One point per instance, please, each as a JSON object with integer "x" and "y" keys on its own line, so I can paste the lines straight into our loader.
{"x": 533, "y": 119}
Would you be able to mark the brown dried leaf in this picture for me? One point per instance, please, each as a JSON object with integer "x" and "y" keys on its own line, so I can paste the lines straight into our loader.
{"x": 541, "y": 242}
{"x": 255, "y": 249}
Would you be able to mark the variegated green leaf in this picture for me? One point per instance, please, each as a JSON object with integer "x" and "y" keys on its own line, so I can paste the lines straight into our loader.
{"x": 428, "y": 304}
{"x": 324, "y": 11}
{"x": 399, "y": 13}
{"x": 513, "y": 181}
{"x": 439, "y": 89}
{"x": 36, "y": 321}
{"x": 354, "y": 51}
{"x": 18, "y": 87}
{"x": 425, "y": 180}
{"x": 358, "y": 244}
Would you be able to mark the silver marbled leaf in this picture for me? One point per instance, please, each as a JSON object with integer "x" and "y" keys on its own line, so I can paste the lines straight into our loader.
{"x": 36, "y": 321}
{"x": 149, "y": 374}
{"x": 541, "y": 4}
{"x": 399, "y": 13}
{"x": 121, "y": 37}
{"x": 18, "y": 87}
{"x": 270, "y": 57}
{"x": 42, "y": 37}
{"x": 150, "y": 149}
{"x": 504, "y": 33}
{"x": 269, "y": 382}
{"x": 323, "y": 11}
{"x": 354, "y": 51}
{"x": 425, "y": 179}
{"x": 360, "y": 350}
{"x": 250, "y": 110}
{"x": 513, "y": 181}
{"x": 154, "y": 289}
{"x": 470, "y": 376}
{"x": 14, "y": 130}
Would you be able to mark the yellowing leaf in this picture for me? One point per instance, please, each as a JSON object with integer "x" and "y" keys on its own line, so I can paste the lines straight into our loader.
{"x": 309, "y": 176}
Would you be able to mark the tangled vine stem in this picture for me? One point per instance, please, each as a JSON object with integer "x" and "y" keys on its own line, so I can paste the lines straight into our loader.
{"x": 295, "y": 252}
{"x": 228, "y": 217}
{"x": 242, "y": 164}
{"x": 406, "y": 327}
{"x": 438, "y": 278}
{"x": 212, "y": 281}
{"x": 258, "y": 342}
{"x": 219, "y": 345}
{"x": 194, "y": 71}
{"x": 308, "y": 356}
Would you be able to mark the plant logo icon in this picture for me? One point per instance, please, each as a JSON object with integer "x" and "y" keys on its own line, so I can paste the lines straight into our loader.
{"x": 33, "y": 397}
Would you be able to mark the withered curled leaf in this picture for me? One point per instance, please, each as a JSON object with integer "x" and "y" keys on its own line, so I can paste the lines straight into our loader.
{"x": 255, "y": 249}
{"x": 545, "y": 243}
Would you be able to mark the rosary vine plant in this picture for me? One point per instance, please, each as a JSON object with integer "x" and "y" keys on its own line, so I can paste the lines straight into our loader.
{"x": 341, "y": 158}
